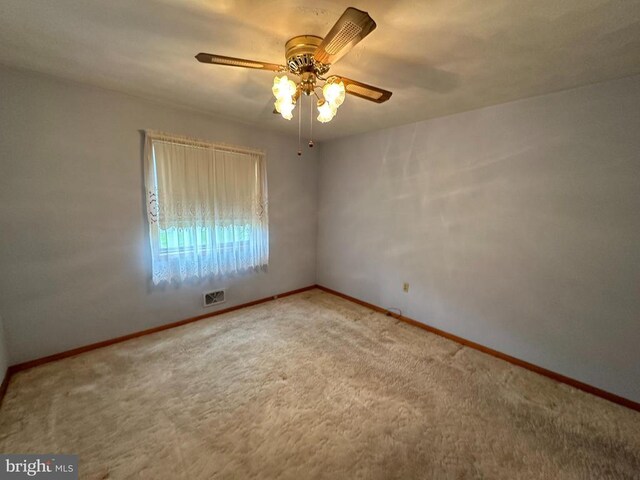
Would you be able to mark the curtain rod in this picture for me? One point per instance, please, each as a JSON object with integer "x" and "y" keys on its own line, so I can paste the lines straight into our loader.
{"x": 184, "y": 140}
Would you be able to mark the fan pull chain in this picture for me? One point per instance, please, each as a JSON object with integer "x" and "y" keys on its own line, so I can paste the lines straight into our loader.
{"x": 310, "y": 121}
{"x": 300, "y": 128}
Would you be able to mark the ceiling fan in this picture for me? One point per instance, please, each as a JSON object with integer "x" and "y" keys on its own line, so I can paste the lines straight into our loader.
{"x": 310, "y": 57}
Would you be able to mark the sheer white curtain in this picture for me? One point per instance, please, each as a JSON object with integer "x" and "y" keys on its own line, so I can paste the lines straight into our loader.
{"x": 207, "y": 208}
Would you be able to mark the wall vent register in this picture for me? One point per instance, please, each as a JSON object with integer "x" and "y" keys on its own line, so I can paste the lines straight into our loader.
{"x": 214, "y": 298}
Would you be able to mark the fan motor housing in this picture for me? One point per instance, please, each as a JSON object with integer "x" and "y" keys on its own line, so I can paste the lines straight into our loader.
{"x": 299, "y": 52}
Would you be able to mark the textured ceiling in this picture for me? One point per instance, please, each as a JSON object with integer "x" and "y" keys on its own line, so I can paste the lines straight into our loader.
{"x": 437, "y": 56}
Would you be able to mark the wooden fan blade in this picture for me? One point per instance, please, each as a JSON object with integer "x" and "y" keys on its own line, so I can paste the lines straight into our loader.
{"x": 350, "y": 28}
{"x": 237, "y": 62}
{"x": 368, "y": 92}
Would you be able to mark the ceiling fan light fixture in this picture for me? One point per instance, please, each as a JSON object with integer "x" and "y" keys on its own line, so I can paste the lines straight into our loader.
{"x": 284, "y": 90}
{"x": 334, "y": 91}
{"x": 326, "y": 111}
{"x": 283, "y": 87}
{"x": 284, "y": 106}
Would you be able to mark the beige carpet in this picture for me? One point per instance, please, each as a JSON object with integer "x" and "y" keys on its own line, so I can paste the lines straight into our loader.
{"x": 312, "y": 386}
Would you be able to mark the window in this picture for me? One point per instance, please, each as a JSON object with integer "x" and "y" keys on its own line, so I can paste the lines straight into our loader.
{"x": 173, "y": 239}
{"x": 207, "y": 208}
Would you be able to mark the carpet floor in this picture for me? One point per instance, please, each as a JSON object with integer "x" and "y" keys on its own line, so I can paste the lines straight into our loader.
{"x": 312, "y": 386}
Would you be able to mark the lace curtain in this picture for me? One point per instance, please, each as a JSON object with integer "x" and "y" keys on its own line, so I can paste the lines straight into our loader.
{"x": 207, "y": 208}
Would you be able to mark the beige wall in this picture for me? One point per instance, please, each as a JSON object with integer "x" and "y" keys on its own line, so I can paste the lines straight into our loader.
{"x": 4, "y": 354}
{"x": 74, "y": 257}
{"x": 517, "y": 227}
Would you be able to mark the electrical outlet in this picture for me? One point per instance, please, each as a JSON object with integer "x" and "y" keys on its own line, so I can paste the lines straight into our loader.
{"x": 405, "y": 287}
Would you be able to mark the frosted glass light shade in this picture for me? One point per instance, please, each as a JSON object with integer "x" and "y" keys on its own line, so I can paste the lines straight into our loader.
{"x": 334, "y": 93}
{"x": 326, "y": 112}
{"x": 284, "y": 90}
{"x": 283, "y": 87}
{"x": 285, "y": 107}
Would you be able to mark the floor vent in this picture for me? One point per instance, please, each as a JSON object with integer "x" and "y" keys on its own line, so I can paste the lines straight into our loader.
{"x": 214, "y": 298}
